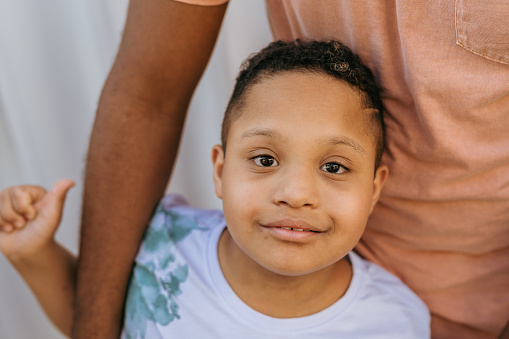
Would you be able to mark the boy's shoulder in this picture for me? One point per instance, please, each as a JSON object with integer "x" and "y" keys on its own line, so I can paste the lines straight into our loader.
{"x": 381, "y": 295}
{"x": 176, "y": 227}
{"x": 174, "y": 220}
{"x": 174, "y": 211}
{"x": 171, "y": 258}
{"x": 378, "y": 281}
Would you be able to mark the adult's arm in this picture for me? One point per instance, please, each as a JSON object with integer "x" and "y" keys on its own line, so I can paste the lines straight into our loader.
{"x": 505, "y": 332}
{"x": 164, "y": 51}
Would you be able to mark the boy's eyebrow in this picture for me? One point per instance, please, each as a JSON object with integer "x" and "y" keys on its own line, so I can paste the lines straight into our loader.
{"x": 348, "y": 142}
{"x": 259, "y": 132}
{"x": 333, "y": 141}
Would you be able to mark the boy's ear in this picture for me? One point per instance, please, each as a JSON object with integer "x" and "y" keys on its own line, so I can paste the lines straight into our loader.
{"x": 217, "y": 165}
{"x": 381, "y": 175}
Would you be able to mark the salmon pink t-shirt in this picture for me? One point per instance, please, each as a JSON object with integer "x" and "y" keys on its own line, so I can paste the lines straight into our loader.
{"x": 442, "y": 223}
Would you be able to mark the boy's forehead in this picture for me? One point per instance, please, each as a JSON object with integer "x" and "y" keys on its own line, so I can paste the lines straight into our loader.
{"x": 314, "y": 91}
{"x": 304, "y": 100}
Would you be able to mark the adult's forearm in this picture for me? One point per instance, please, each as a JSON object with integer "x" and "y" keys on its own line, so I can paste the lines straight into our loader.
{"x": 505, "y": 332}
{"x": 134, "y": 142}
{"x": 130, "y": 160}
{"x": 127, "y": 171}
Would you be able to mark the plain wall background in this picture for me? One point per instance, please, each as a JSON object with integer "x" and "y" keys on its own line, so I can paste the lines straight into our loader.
{"x": 54, "y": 58}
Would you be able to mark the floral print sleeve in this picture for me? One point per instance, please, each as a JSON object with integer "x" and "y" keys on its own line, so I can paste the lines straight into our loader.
{"x": 157, "y": 274}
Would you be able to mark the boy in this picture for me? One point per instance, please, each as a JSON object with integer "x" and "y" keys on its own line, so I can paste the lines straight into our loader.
{"x": 299, "y": 173}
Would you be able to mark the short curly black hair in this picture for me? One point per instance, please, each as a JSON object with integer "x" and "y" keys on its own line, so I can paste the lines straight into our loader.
{"x": 326, "y": 57}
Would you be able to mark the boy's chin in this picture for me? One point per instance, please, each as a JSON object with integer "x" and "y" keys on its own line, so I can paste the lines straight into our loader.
{"x": 293, "y": 269}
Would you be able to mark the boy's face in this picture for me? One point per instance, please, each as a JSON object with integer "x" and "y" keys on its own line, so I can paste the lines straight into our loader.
{"x": 298, "y": 156}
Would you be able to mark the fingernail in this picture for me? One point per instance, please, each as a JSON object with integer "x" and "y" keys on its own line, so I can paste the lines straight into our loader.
{"x": 7, "y": 228}
{"x": 19, "y": 224}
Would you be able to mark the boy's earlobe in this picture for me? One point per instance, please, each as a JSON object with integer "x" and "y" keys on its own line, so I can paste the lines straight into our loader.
{"x": 217, "y": 172}
{"x": 381, "y": 175}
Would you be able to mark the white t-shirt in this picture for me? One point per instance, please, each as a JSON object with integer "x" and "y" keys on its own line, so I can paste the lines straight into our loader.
{"x": 178, "y": 291}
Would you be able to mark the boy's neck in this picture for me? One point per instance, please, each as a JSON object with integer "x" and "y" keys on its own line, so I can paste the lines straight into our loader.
{"x": 277, "y": 295}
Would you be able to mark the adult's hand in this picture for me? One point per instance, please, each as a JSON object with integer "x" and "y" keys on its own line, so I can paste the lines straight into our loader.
{"x": 164, "y": 51}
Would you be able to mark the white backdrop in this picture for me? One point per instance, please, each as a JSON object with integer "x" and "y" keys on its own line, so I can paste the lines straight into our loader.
{"x": 54, "y": 58}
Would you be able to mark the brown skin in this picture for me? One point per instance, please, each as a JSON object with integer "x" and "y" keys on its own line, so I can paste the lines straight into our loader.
{"x": 164, "y": 51}
{"x": 505, "y": 332}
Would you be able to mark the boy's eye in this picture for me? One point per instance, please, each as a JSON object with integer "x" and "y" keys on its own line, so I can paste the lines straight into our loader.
{"x": 265, "y": 161}
{"x": 333, "y": 167}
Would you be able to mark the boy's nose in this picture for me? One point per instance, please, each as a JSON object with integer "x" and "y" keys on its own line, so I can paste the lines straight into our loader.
{"x": 296, "y": 187}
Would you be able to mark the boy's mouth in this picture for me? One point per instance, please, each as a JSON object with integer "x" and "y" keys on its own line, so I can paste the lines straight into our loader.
{"x": 297, "y": 225}
{"x": 297, "y": 229}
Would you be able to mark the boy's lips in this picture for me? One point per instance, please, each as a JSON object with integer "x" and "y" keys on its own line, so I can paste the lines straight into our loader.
{"x": 293, "y": 225}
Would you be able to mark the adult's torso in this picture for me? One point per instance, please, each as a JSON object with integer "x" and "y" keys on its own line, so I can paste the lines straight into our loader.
{"x": 442, "y": 223}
